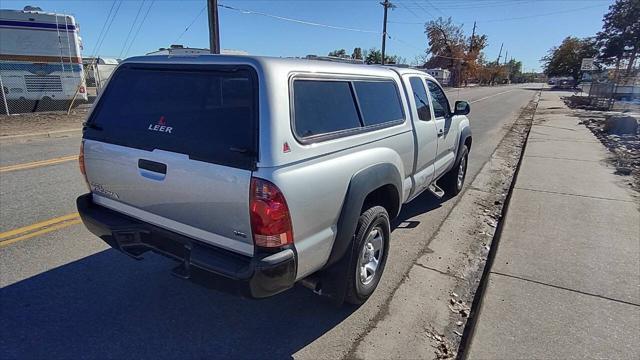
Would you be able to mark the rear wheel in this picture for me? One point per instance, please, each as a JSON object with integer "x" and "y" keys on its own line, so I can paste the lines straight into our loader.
{"x": 453, "y": 181}
{"x": 370, "y": 254}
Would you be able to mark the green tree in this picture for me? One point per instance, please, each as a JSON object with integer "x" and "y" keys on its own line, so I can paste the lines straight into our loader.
{"x": 620, "y": 35}
{"x": 357, "y": 53}
{"x": 566, "y": 59}
{"x": 514, "y": 69}
{"x": 338, "y": 53}
{"x": 374, "y": 56}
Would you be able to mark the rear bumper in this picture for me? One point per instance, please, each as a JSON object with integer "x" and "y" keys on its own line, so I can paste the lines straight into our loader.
{"x": 260, "y": 276}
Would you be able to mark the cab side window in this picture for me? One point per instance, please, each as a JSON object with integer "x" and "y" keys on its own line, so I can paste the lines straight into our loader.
{"x": 323, "y": 107}
{"x": 421, "y": 98}
{"x": 438, "y": 100}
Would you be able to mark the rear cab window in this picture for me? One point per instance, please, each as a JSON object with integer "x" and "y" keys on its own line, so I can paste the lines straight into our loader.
{"x": 325, "y": 109}
{"x": 209, "y": 112}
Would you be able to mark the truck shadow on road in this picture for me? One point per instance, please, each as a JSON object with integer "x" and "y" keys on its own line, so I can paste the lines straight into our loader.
{"x": 109, "y": 306}
{"x": 422, "y": 204}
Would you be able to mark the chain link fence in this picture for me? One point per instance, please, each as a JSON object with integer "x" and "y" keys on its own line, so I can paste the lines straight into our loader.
{"x": 42, "y": 87}
{"x": 605, "y": 92}
{"x": 46, "y": 87}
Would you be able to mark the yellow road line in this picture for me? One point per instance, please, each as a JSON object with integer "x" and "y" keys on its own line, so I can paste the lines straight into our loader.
{"x": 35, "y": 164}
{"x": 39, "y": 225}
{"x": 40, "y": 232}
{"x": 43, "y": 227}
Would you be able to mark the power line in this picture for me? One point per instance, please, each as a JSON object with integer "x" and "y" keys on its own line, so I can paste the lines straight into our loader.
{"x": 133, "y": 24}
{"x": 108, "y": 28}
{"x": 135, "y": 36}
{"x": 251, "y": 12}
{"x": 545, "y": 14}
{"x": 423, "y": 9}
{"x": 512, "y": 18}
{"x": 403, "y": 42}
{"x": 435, "y": 7}
{"x": 466, "y": 6}
{"x": 417, "y": 48}
{"x": 190, "y": 24}
{"x": 244, "y": 11}
{"x": 113, "y": 4}
{"x": 401, "y": 5}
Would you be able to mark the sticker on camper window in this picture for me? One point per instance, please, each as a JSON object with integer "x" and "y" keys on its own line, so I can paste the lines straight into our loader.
{"x": 161, "y": 126}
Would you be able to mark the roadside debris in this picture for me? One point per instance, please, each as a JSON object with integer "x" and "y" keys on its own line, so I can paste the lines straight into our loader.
{"x": 619, "y": 133}
{"x": 444, "y": 348}
{"x": 459, "y": 307}
{"x": 584, "y": 102}
{"x": 492, "y": 222}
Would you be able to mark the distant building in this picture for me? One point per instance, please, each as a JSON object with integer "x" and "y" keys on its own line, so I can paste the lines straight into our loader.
{"x": 181, "y": 50}
{"x": 442, "y": 75}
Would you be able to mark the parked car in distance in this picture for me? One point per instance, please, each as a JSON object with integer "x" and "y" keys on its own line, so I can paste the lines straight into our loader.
{"x": 267, "y": 171}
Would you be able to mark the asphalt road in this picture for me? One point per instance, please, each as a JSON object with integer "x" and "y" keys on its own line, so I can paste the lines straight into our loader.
{"x": 64, "y": 294}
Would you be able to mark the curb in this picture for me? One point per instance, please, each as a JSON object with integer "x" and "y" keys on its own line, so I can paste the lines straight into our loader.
{"x": 40, "y": 135}
{"x": 469, "y": 330}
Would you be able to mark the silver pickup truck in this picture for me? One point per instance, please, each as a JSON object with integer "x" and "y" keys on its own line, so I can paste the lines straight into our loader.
{"x": 267, "y": 171}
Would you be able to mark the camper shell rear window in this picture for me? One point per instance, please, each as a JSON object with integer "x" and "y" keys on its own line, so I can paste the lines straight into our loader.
{"x": 209, "y": 112}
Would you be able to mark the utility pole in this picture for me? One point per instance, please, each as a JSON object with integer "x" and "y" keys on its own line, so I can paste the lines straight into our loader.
{"x": 499, "y": 54}
{"x": 214, "y": 28}
{"x": 506, "y": 55}
{"x": 386, "y": 4}
{"x": 473, "y": 36}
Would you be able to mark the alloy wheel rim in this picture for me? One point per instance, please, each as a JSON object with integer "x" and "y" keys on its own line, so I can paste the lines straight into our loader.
{"x": 371, "y": 256}
{"x": 461, "y": 171}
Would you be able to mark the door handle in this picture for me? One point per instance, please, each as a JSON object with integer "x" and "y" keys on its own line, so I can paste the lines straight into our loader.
{"x": 440, "y": 132}
{"x": 152, "y": 166}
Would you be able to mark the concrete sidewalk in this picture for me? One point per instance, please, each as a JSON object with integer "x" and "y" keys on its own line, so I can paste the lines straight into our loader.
{"x": 565, "y": 281}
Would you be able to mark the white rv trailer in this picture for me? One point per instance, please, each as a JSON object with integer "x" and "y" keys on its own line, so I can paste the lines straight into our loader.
{"x": 40, "y": 56}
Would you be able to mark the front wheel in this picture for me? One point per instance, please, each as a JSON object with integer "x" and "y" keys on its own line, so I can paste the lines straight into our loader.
{"x": 453, "y": 181}
{"x": 369, "y": 255}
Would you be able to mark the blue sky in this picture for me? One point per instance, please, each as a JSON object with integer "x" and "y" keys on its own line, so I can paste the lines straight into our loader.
{"x": 527, "y": 28}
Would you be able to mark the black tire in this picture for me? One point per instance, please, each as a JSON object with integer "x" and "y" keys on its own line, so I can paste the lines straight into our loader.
{"x": 450, "y": 181}
{"x": 373, "y": 221}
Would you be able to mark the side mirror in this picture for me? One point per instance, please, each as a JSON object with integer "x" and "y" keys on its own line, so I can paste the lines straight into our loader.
{"x": 462, "y": 108}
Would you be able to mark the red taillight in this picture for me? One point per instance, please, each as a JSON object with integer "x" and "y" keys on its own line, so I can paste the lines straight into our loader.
{"x": 81, "y": 164}
{"x": 270, "y": 219}
{"x": 81, "y": 90}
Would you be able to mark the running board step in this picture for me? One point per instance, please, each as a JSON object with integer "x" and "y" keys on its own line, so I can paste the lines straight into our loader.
{"x": 436, "y": 190}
